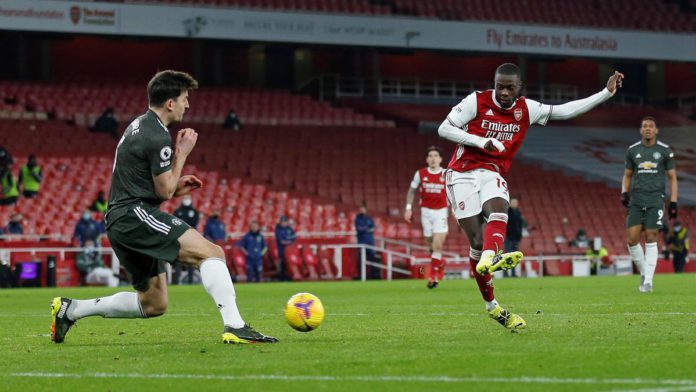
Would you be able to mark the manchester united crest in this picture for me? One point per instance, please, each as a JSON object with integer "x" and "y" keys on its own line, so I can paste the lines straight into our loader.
{"x": 518, "y": 114}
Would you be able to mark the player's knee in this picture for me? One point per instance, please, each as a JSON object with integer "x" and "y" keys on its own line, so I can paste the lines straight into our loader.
{"x": 218, "y": 252}
{"x": 651, "y": 236}
{"x": 156, "y": 307}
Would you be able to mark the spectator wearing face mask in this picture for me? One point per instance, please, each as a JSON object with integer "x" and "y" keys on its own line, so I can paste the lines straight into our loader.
{"x": 232, "y": 121}
{"x": 187, "y": 212}
{"x": 88, "y": 229}
{"x": 15, "y": 226}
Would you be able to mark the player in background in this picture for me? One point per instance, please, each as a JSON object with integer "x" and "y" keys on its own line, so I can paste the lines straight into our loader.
{"x": 433, "y": 202}
{"x": 643, "y": 193}
{"x": 146, "y": 172}
{"x": 489, "y": 127}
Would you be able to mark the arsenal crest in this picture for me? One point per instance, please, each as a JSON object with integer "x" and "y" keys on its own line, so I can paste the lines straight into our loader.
{"x": 75, "y": 14}
{"x": 518, "y": 114}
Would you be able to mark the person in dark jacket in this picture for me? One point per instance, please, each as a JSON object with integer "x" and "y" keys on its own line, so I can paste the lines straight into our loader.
{"x": 106, "y": 123}
{"x": 88, "y": 229}
{"x": 187, "y": 212}
{"x": 365, "y": 231}
{"x": 232, "y": 121}
{"x": 214, "y": 228}
{"x": 254, "y": 247}
{"x": 285, "y": 235}
{"x": 514, "y": 230}
{"x": 15, "y": 226}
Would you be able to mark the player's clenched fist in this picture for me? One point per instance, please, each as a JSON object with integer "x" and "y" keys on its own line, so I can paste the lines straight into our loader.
{"x": 615, "y": 82}
{"x": 186, "y": 140}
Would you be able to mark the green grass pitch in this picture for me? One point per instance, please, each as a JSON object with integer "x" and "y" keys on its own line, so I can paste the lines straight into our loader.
{"x": 584, "y": 334}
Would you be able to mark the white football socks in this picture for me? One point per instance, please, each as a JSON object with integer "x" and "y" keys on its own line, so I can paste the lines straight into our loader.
{"x": 650, "y": 261}
{"x": 217, "y": 282}
{"x": 636, "y": 252}
{"x": 119, "y": 305}
{"x": 490, "y": 305}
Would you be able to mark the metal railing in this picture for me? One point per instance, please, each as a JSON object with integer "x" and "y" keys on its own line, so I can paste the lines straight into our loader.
{"x": 390, "y": 257}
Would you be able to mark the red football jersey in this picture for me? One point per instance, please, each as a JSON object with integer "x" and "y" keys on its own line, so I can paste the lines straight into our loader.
{"x": 490, "y": 120}
{"x": 431, "y": 187}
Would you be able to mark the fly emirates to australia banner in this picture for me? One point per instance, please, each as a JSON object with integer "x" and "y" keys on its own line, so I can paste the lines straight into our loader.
{"x": 303, "y": 27}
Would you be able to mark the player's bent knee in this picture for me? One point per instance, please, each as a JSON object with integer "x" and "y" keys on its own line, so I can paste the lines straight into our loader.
{"x": 218, "y": 252}
{"x": 155, "y": 308}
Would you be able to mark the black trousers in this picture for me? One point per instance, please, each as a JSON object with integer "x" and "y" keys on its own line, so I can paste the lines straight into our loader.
{"x": 679, "y": 261}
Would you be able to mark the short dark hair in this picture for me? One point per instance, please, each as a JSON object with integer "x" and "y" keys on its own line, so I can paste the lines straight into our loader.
{"x": 166, "y": 85}
{"x": 649, "y": 118}
{"x": 509, "y": 69}
{"x": 433, "y": 148}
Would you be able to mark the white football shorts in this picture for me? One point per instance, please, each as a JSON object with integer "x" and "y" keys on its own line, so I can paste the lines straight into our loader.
{"x": 469, "y": 190}
{"x": 434, "y": 221}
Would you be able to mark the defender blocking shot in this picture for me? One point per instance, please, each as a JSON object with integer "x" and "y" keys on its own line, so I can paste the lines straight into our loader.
{"x": 147, "y": 170}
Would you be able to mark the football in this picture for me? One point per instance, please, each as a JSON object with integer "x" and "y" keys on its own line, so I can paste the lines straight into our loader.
{"x": 304, "y": 312}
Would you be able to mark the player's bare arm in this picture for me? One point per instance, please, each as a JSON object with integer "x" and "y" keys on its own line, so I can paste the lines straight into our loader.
{"x": 408, "y": 211}
{"x": 626, "y": 186}
{"x": 167, "y": 183}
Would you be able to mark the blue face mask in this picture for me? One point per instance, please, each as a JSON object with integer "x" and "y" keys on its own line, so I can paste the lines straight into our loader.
{"x": 677, "y": 228}
{"x": 86, "y": 216}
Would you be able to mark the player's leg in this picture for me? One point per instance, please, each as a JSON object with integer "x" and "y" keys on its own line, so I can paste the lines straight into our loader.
{"x": 427, "y": 223}
{"x": 440, "y": 229}
{"x": 464, "y": 199}
{"x": 653, "y": 222}
{"x": 197, "y": 251}
{"x": 634, "y": 230}
{"x": 651, "y": 254}
{"x": 494, "y": 195}
{"x": 473, "y": 228}
{"x": 149, "y": 299}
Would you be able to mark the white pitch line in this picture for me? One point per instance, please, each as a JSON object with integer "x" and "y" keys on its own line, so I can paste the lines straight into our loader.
{"x": 668, "y": 389}
{"x": 385, "y": 378}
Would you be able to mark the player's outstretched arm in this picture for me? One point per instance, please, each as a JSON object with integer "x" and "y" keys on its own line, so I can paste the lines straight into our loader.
{"x": 575, "y": 108}
{"x": 454, "y": 134}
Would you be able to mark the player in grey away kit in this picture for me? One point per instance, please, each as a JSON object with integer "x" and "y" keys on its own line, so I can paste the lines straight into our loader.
{"x": 147, "y": 170}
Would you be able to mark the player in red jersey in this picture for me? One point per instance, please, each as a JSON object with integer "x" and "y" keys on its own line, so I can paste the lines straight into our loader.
{"x": 489, "y": 127}
{"x": 433, "y": 202}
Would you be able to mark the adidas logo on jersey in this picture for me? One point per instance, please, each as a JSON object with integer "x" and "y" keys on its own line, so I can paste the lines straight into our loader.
{"x": 489, "y": 112}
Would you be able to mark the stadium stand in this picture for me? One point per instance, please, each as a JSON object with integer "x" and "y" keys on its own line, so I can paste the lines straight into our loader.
{"x": 83, "y": 102}
{"x": 646, "y": 14}
{"x": 318, "y": 175}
